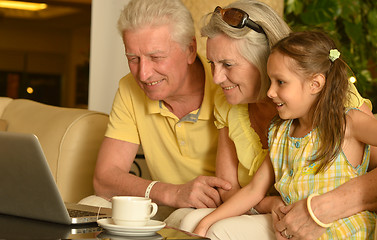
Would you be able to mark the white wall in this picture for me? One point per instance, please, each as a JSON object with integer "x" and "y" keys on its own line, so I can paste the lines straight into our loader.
{"x": 107, "y": 60}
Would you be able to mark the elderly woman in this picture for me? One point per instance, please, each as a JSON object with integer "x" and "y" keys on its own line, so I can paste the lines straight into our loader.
{"x": 239, "y": 40}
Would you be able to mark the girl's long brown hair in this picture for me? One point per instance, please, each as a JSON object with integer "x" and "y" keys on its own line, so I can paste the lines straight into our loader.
{"x": 310, "y": 52}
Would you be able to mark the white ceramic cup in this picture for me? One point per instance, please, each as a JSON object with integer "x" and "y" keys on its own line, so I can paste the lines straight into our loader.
{"x": 132, "y": 211}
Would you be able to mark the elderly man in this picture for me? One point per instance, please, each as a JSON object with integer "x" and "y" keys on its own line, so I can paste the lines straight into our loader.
{"x": 165, "y": 104}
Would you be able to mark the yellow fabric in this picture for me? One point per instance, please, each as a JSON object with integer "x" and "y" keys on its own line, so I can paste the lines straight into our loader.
{"x": 248, "y": 146}
{"x": 176, "y": 150}
{"x": 355, "y": 99}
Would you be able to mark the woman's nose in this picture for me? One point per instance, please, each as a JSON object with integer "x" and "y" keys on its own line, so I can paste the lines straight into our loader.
{"x": 218, "y": 76}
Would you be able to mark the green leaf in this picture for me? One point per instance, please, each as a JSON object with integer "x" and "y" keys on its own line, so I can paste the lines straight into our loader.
{"x": 372, "y": 18}
{"x": 293, "y": 6}
{"x": 349, "y": 7}
{"x": 354, "y": 32}
{"x": 372, "y": 27}
{"x": 319, "y": 12}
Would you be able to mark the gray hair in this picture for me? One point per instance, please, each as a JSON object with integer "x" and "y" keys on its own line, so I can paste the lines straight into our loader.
{"x": 139, "y": 13}
{"x": 255, "y": 47}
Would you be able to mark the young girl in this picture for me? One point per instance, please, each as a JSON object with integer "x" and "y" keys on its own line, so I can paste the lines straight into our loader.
{"x": 316, "y": 144}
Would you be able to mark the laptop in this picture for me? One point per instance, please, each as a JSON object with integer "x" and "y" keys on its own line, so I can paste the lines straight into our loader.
{"x": 28, "y": 189}
{"x": 25, "y": 228}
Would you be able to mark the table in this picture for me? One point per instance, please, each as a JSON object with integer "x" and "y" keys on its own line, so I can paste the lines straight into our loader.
{"x": 22, "y": 228}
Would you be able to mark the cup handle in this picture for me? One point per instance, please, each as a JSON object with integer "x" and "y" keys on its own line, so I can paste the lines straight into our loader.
{"x": 154, "y": 209}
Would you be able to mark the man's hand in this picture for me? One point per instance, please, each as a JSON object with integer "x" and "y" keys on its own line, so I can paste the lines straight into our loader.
{"x": 298, "y": 222}
{"x": 200, "y": 192}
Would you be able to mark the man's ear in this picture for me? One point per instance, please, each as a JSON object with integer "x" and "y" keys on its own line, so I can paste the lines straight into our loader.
{"x": 317, "y": 83}
{"x": 192, "y": 51}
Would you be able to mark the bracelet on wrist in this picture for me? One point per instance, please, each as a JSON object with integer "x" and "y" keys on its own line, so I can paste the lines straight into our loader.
{"x": 315, "y": 219}
{"x": 149, "y": 188}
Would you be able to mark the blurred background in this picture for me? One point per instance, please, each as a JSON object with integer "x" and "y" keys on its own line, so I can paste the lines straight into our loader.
{"x": 44, "y": 54}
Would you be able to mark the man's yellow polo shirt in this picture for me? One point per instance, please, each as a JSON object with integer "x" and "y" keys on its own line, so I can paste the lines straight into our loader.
{"x": 176, "y": 150}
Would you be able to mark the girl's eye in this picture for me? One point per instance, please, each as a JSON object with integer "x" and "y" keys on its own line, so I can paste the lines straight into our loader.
{"x": 280, "y": 82}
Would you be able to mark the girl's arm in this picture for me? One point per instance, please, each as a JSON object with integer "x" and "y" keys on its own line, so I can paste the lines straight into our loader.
{"x": 227, "y": 164}
{"x": 243, "y": 200}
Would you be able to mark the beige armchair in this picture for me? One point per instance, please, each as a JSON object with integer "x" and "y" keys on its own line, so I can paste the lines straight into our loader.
{"x": 70, "y": 139}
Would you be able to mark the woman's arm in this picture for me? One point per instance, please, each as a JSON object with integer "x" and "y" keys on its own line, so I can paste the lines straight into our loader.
{"x": 227, "y": 163}
{"x": 243, "y": 200}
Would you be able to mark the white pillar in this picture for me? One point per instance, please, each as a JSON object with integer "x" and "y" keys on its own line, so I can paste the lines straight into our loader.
{"x": 107, "y": 60}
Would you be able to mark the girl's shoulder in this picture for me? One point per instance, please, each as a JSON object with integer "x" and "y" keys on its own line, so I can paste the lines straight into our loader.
{"x": 355, "y": 114}
{"x": 359, "y": 123}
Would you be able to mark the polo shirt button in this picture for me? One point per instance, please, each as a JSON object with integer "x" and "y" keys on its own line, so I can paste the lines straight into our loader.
{"x": 297, "y": 144}
{"x": 179, "y": 125}
{"x": 182, "y": 143}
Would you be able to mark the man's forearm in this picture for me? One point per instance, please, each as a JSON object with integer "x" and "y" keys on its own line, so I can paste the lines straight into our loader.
{"x": 358, "y": 194}
{"x": 120, "y": 184}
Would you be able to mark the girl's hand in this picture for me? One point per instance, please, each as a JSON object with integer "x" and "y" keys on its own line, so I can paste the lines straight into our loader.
{"x": 277, "y": 215}
{"x": 201, "y": 229}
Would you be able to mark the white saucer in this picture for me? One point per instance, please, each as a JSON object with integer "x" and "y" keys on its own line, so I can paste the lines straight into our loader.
{"x": 149, "y": 230}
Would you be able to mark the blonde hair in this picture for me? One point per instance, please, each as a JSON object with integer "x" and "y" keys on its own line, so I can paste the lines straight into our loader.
{"x": 255, "y": 47}
{"x": 309, "y": 52}
{"x": 139, "y": 13}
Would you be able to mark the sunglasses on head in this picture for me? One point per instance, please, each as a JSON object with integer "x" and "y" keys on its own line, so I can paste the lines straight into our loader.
{"x": 238, "y": 18}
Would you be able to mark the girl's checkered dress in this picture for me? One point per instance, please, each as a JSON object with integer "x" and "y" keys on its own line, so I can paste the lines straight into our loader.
{"x": 296, "y": 179}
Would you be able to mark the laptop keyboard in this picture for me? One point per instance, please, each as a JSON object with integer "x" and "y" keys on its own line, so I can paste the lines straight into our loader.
{"x": 81, "y": 213}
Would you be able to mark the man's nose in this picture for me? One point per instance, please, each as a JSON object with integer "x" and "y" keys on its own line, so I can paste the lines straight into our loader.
{"x": 145, "y": 69}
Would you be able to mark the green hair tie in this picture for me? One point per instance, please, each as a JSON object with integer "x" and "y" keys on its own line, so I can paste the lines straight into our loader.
{"x": 334, "y": 54}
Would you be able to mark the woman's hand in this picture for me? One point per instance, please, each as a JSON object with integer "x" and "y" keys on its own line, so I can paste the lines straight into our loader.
{"x": 295, "y": 220}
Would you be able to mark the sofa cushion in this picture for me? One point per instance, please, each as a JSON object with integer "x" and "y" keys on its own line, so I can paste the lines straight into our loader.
{"x": 3, "y": 125}
{"x": 70, "y": 139}
{"x": 4, "y": 102}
